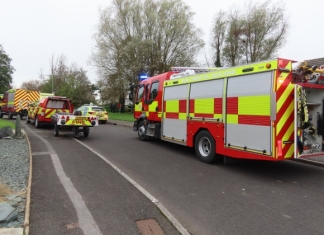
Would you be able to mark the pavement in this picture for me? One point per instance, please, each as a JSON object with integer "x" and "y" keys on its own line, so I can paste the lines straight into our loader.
{"x": 318, "y": 160}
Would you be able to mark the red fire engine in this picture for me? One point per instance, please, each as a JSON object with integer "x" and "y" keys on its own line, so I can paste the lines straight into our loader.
{"x": 265, "y": 110}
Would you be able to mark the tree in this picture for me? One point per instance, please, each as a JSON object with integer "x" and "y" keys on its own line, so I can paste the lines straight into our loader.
{"x": 32, "y": 85}
{"x": 131, "y": 37}
{"x": 69, "y": 81}
{"x": 6, "y": 71}
{"x": 218, "y": 32}
{"x": 253, "y": 34}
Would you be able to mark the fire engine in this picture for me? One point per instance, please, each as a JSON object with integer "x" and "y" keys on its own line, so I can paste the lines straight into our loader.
{"x": 15, "y": 102}
{"x": 267, "y": 110}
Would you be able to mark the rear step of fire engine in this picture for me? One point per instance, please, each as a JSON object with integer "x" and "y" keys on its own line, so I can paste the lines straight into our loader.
{"x": 150, "y": 130}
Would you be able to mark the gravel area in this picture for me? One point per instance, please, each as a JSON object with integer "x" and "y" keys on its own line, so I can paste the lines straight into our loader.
{"x": 14, "y": 172}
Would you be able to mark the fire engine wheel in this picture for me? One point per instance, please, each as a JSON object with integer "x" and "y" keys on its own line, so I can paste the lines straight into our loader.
{"x": 141, "y": 131}
{"x": 56, "y": 130}
{"x": 10, "y": 115}
{"x": 37, "y": 124}
{"x": 205, "y": 147}
{"x": 1, "y": 114}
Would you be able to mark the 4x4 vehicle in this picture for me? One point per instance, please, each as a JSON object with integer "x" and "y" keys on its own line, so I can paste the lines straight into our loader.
{"x": 42, "y": 111}
{"x": 94, "y": 110}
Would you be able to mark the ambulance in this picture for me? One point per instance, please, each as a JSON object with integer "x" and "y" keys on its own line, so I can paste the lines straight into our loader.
{"x": 270, "y": 110}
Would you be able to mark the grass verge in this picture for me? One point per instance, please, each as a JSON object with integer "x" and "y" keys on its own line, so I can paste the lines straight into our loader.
{"x": 121, "y": 116}
{"x": 4, "y": 122}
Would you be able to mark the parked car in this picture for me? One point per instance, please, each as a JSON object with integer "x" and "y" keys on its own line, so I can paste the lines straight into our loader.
{"x": 90, "y": 109}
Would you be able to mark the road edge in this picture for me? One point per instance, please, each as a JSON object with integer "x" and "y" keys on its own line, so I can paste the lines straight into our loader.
{"x": 27, "y": 208}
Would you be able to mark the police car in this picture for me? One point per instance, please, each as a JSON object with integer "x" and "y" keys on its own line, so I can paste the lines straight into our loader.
{"x": 94, "y": 110}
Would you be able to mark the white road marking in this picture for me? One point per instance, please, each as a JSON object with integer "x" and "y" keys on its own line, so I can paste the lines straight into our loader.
{"x": 165, "y": 211}
{"x": 86, "y": 221}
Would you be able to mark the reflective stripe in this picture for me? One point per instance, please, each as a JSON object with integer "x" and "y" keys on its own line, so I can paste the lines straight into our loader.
{"x": 172, "y": 106}
{"x": 204, "y": 106}
{"x": 232, "y": 118}
{"x": 285, "y": 112}
{"x": 182, "y": 116}
{"x": 153, "y": 106}
{"x": 254, "y": 105}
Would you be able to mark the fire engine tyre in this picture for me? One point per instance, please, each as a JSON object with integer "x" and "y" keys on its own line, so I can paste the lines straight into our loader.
{"x": 1, "y": 114}
{"x": 56, "y": 130}
{"x": 37, "y": 124}
{"x": 10, "y": 115}
{"x": 141, "y": 131}
{"x": 205, "y": 147}
{"x": 27, "y": 119}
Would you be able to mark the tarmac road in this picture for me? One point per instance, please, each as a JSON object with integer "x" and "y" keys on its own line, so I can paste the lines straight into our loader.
{"x": 76, "y": 192}
{"x": 250, "y": 197}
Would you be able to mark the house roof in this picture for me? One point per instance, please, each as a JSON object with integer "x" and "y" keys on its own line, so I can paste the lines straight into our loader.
{"x": 318, "y": 61}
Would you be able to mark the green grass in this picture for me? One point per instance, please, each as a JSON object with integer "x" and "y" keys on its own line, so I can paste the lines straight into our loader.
{"x": 121, "y": 116}
{"x": 4, "y": 122}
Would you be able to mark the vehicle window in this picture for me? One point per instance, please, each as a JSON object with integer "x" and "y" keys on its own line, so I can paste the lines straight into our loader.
{"x": 65, "y": 105}
{"x": 55, "y": 104}
{"x": 97, "y": 108}
{"x": 154, "y": 90}
{"x": 147, "y": 94}
{"x": 140, "y": 93}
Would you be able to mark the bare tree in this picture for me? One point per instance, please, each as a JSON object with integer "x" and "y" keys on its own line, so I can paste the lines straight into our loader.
{"x": 253, "y": 34}
{"x": 132, "y": 37}
{"x": 32, "y": 85}
{"x": 218, "y": 36}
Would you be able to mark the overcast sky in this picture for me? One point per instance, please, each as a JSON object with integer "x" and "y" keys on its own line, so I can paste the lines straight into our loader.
{"x": 31, "y": 31}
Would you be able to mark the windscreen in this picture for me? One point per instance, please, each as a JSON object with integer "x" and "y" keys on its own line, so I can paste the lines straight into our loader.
{"x": 98, "y": 108}
{"x": 140, "y": 93}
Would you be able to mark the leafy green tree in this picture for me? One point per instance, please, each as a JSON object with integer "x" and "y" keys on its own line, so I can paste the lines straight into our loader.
{"x": 132, "y": 37}
{"x": 6, "y": 71}
{"x": 253, "y": 34}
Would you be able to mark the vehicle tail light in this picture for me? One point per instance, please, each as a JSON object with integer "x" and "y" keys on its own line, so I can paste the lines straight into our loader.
{"x": 279, "y": 148}
{"x": 92, "y": 113}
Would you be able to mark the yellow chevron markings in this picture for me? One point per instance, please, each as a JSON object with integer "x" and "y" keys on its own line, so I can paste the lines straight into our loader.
{"x": 284, "y": 118}
{"x": 284, "y": 97}
{"x": 283, "y": 76}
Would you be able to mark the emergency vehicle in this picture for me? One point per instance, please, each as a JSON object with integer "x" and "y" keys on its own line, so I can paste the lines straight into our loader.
{"x": 15, "y": 102}
{"x": 73, "y": 122}
{"x": 264, "y": 111}
{"x": 42, "y": 111}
